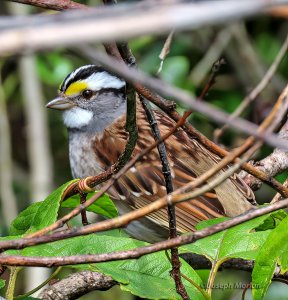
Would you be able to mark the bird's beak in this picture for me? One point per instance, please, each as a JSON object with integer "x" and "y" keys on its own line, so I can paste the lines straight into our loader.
{"x": 60, "y": 103}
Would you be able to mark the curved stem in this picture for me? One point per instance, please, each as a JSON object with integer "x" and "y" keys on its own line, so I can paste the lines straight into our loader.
{"x": 40, "y": 285}
{"x": 204, "y": 294}
{"x": 212, "y": 276}
{"x": 12, "y": 280}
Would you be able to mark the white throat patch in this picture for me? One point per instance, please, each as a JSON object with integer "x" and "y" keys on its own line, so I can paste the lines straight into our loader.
{"x": 77, "y": 117}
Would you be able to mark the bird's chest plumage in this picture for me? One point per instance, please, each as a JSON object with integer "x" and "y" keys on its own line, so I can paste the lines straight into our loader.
{"x": 83, "y": 160}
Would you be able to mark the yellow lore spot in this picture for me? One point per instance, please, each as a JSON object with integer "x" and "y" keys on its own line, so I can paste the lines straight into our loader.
{"x": 76, "y": 88}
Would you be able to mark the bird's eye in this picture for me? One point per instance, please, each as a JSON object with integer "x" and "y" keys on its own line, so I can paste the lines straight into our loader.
{"x": 87, "y": 94}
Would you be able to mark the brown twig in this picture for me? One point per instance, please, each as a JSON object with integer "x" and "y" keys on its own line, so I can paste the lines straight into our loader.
{"x": 212, "y": 77}
{"x": 131, "y": 20}
{"x": 257, "y": 90}
{"x": 18, "y": 260}
{"x": 166, "y": 171}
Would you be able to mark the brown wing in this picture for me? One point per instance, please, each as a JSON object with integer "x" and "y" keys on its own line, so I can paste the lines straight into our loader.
{"x": 188, "y": 159}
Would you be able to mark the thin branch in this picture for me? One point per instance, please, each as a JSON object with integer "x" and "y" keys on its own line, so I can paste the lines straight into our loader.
{"x": 166, "y": 171}
{"x": 122, "y": 22}
{"x": 257, "y": 90}
{"x": 18, "y": 260}
{"x": 212, "y": 77}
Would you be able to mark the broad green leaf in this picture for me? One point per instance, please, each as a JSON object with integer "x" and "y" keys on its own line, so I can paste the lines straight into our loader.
{"x": 40, "y": 214}
{"x": 241, "y": 241}
{"x": 274, "y": 251}
{"x": 103, "y": 206}
{"x": 149, "y": 277}
{"x": 24, "y": 220}
{"x": 2, "y": 283}
{"x": 146, "y": 277}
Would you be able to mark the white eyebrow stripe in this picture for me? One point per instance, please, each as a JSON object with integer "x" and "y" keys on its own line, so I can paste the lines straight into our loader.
{"x": 103, "y": 80}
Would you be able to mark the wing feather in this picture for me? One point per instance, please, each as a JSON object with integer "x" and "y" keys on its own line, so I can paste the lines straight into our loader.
{"x": 145, "y": 183}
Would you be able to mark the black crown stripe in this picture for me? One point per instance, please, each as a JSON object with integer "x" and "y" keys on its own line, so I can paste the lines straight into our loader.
{"x": 81, "y": 75}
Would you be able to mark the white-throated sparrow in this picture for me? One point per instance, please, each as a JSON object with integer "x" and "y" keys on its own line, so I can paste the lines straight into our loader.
{"x": 94, "y": 105}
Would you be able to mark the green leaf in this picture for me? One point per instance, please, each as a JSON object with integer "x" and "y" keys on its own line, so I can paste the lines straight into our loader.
{"x": 24, "y": 220}
{"x": 272, "y": 221}
{"x": 273, "y": 252}
{"x": 2, "y": 283}
{"x": 40, "y": 214}
{"x": 240, "y": 241}
{"x": 147, "y": 277}
{"x": 103, "y": 206}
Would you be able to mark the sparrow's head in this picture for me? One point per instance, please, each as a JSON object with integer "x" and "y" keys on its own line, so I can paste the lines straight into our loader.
{"x": 90, "y": 93}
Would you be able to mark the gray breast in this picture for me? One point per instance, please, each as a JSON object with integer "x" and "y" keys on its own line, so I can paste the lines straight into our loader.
{"x": 83, "y": 161}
